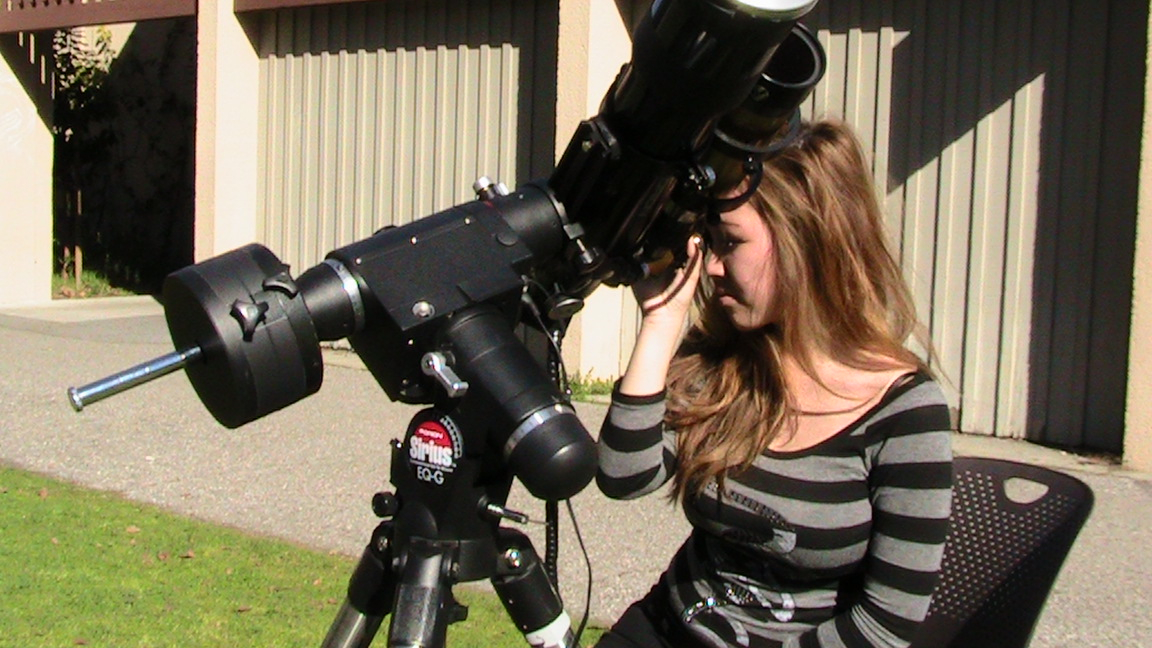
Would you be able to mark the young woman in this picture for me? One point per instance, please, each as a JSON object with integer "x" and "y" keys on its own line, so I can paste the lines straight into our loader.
{"x": 809, "y": 448}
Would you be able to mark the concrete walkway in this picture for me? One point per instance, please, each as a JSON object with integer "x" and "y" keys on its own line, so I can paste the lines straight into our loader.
{"x": 307, "y": 473}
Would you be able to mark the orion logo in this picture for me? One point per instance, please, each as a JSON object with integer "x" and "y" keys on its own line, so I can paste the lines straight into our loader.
{"x": 433, "y": 449}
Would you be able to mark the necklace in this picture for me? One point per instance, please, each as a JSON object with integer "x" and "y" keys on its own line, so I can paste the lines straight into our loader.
{"x": 846, "y": 410}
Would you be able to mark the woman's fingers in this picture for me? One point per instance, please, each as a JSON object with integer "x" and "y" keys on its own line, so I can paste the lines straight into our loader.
{"x": 673, "y": 289}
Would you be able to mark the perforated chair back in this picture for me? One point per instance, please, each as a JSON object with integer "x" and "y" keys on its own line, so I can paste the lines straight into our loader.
{"x": 1011, "y": 528}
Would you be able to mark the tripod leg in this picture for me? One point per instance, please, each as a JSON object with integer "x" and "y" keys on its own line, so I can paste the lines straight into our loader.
{"x": 424, "y": 602}
{"x": 371, "y": 591}
{"x": 352, "y": 628}
{"x": 528, "y": 594}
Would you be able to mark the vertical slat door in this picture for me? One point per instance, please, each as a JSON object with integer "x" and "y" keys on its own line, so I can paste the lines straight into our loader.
{"x": 380, "y": 113}
{"x": 1006, "y": 141}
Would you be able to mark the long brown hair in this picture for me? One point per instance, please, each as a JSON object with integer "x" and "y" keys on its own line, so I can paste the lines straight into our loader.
{"x": 840, "y": 292}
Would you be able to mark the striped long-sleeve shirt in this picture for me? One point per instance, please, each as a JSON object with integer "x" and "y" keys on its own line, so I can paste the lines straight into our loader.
{"x": 836, "y": 545}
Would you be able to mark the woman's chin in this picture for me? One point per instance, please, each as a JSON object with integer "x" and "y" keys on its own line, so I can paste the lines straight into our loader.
{"x": 741, "y": 321}
{"x": 745, "y": 321}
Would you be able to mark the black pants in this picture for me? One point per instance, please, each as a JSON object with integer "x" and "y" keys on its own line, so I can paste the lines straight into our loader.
{"x": 649, "y": 623}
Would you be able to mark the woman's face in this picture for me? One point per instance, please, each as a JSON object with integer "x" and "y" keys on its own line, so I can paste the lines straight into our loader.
{"x": 741, "y": 262}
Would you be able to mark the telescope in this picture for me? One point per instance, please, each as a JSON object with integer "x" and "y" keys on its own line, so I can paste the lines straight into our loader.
{"x": 464, "y": 311}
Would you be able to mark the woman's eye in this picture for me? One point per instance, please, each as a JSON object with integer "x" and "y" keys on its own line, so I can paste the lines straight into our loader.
{"x": 723, "y": 243}
{"x": 720, "y": 241}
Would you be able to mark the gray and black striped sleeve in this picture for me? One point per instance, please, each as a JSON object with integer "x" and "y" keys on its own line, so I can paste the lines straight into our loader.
{"x": 910, "y": 482}
{"x": 636, "y": 452}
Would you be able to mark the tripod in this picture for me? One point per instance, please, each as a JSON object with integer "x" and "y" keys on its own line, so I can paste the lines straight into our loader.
{"x": 442, "y": 527}
{"x": 452, "y": 474}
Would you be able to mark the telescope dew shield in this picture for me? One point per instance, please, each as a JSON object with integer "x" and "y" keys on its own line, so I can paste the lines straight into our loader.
{"x": 544, "y": 444}
{"x": 761, "y": 124}
{"x": 259, "y": 350}
{"x": 692, "y": 61}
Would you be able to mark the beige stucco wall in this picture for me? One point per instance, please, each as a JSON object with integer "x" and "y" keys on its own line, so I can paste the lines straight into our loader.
{"x": 227, "y": 120}
{"x": 1138, "y": 424}
{"x": 25, "y": 184}
{"x": 584, "y": 74}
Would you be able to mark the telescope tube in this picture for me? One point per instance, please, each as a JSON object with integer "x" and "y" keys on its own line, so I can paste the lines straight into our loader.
{"x": 692, "y": 62}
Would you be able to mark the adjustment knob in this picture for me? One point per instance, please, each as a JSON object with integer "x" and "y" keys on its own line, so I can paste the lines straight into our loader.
{"x": 249, "y": 315}
{"x": 283, "y": 282}
{"x": 435, "y": 364}
{"x": 385, "y": 505}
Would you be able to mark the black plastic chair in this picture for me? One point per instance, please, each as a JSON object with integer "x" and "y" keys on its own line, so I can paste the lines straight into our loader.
{"x": 1012, "y": 526}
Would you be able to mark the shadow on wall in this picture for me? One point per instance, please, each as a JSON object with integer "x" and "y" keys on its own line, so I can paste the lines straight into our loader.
{"x": 27, "y": 55}
{"x": 138, "y": 193}
{"x": 952, "y": 67}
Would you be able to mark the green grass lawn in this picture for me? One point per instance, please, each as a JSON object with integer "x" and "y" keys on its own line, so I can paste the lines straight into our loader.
{"x": 86, "y": 568}
{"x": 91, "y": 284}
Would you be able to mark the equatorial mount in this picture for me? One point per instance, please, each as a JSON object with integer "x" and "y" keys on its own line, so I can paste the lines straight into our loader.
{"x": 439, "y": 310}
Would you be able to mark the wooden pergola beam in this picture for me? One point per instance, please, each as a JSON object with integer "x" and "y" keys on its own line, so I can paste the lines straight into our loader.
{"x": 262, "y": 5}
{"x": 36, "y": 15}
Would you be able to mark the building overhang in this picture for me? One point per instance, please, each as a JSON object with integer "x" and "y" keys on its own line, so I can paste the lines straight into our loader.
{"x": 38, "y": 15}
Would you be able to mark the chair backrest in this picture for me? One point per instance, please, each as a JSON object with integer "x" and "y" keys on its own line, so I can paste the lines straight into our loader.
{"x": 1012, "y": 525}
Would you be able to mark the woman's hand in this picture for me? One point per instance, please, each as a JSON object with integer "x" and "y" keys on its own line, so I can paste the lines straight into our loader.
{"x": 668, "y": 295}
{"x": 665, "y": 300}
